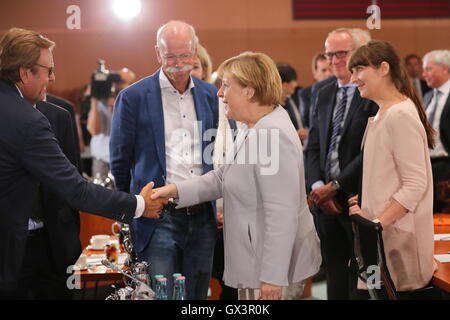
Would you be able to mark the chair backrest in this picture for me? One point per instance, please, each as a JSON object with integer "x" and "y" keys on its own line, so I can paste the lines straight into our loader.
{"x": 371, "y": 259}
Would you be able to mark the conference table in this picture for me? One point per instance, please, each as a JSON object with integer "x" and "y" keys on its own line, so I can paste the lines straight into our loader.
{"x": 441, "y": 277}
{"x": 97, "y": 274}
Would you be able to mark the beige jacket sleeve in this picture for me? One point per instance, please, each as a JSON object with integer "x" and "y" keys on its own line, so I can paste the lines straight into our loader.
{"x": 410, "y": 157}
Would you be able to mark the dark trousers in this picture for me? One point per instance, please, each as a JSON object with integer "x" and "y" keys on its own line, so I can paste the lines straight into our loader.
{"x": 337, "y": 248}
{"x": 183, "y": 244}
{"x": 39, "y": 279}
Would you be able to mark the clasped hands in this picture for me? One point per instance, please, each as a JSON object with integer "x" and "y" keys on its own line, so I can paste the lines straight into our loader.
{"x": 323, "y": 197}
{"x": 156, "y": 199}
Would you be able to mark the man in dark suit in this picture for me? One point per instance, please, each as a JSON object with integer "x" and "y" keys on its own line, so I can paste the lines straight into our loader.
{"x": 61, "y": 221}
{"x": 154, "y": 128}
{"x": 31, "y": 160}
{"x": 66, "y": 105}
{"x": 333, "y": 163}
{"x": 436, "y": 71}
{"x": 413, "y": 64}
{"x": 289, "y": 84}
{"x": 320, "y": 71}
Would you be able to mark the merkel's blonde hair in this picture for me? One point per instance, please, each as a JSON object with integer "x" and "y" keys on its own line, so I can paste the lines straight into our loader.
{"x": 205, "y": 61}
{"x": 20, "y": 48}
{"x": 257, "y": 71}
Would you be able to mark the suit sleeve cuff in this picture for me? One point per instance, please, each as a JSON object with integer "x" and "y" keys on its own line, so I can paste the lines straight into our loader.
{"x": 139, "y": 207}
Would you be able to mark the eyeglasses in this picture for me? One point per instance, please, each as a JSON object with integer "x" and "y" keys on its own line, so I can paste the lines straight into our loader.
{"x": 184, "y": 57}
{"x": 49, "y": 69}
{"x": 339, "y": 54}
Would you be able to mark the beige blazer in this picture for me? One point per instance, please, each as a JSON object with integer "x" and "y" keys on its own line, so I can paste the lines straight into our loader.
{"x": 397, "y": 166}
{"x": 269, "y": 234}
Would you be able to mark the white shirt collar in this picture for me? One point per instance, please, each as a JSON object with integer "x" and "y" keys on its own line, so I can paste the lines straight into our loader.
{"x": 445, "y": 88}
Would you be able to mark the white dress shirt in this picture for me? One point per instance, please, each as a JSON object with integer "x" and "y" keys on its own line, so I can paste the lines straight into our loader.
{"x": 182, "y": 132}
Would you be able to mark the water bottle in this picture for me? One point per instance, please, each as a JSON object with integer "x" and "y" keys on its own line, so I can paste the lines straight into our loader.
{"x": 158, "y": 286}
{"x": 180, "y": 293}
{"x": 162, "y": 289}
{"x": 175, "y": 285}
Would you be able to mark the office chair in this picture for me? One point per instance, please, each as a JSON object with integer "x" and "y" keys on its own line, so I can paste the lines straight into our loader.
{"x": 370, "y": 257}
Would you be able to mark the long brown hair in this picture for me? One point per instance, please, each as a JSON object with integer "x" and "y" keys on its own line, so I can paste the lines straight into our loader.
{"x": 373, "y": 54}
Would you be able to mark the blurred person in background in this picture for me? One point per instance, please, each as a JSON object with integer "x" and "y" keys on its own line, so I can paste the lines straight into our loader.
{"x": 436, "y": 71}
{"x": 289, "y": 84}
{"x": 413, "y": 64}
{"x": 99, "y": 124}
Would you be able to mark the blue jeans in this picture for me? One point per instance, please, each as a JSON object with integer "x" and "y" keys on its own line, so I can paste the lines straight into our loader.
{"x": 183, "y": 244}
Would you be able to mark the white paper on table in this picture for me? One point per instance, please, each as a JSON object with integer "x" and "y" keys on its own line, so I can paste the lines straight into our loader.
{"x": 442, "y": 236}
{"x": 442, "y": 257}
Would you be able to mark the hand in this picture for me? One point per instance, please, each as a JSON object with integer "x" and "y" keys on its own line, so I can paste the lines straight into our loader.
{"x": 152, "y": 207}
{"x": 303, "y": 134}
{"x": 169, "y": 191}
{"x": 330, "y": 207}
{"x": 270, "y": 291}
{"x": 355, "y": 209}
{"x": 352, "y": 201}
{"x": 322, "y": 194}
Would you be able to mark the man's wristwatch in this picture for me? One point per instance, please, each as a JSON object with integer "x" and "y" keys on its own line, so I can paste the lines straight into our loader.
{"x": 335, "y": 186}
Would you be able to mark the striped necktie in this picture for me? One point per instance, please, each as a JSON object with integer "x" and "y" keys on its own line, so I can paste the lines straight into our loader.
{"x": 336, "y": 129}
{"x": 437, "y": 93}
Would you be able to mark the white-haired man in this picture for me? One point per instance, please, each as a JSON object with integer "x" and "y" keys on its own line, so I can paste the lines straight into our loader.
{"x": 156, "y": 134}
{"x": 436, "y": 72}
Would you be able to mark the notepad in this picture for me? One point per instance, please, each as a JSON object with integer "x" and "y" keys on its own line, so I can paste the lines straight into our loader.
{"x": 442, "y": 237}
{"x": 442, "y": 257}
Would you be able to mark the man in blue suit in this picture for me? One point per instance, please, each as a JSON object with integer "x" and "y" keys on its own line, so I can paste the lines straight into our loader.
{"x": 30, "y": 161}
{"x": 157, "y": 129}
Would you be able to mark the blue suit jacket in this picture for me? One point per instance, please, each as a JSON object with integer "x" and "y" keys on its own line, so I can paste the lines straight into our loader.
{"x": 30, "y": 154}
{"x": 137, "y": 144}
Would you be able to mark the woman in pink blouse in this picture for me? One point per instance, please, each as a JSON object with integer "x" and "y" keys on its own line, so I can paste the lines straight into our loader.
{"x": 397, "y": 185}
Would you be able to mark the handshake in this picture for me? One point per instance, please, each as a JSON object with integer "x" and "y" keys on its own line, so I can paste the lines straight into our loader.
{"x": 156, "y": 199}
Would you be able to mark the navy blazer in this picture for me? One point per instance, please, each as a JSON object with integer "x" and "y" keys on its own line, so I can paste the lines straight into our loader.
{"x": 30, "y": 154}
{"x": 62, "y": 222}
{"x": 137, "y": 143}
{"x": 444, "y": 124}
{"x": 349, "y": 151}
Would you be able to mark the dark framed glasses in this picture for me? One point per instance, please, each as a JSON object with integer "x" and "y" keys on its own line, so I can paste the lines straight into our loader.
{"x": 50, "y": 70}
{"x": 339, "y": 54}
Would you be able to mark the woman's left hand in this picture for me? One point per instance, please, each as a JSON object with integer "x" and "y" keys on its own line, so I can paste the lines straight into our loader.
{"x": 270, "y": 292}
{"x": 355, "y": 209}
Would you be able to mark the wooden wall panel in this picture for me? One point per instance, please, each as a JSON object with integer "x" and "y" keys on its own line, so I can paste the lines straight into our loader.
{"x": 226, "y": 28}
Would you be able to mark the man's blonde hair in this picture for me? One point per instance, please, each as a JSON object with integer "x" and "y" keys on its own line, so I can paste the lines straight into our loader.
{"x": 257, "y": 71}
{"x": 20, "y": 48}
